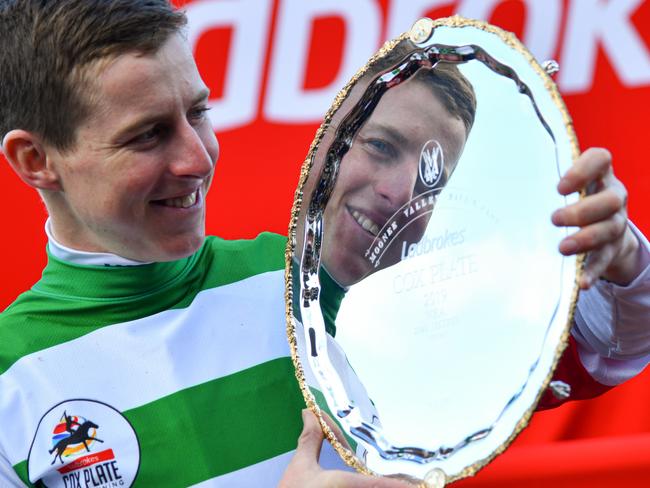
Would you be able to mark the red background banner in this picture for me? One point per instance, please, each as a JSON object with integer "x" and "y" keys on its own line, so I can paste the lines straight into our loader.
{"x": 274, "y": 66}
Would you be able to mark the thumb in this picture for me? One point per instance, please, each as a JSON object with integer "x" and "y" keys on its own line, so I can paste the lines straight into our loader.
{"x": 310, "y": 440}
{"x": 303, "y": 466}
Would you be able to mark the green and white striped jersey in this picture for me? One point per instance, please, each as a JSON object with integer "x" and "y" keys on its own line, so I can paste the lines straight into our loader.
{"x": 165, "y": 374}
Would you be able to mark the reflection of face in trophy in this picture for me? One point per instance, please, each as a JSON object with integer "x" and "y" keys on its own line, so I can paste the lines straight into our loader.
{"x": 381, "y": 171}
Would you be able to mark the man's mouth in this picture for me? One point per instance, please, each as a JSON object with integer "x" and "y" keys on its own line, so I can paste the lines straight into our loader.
{"x": 365, "y": 222}
{"x": 186, "y": 201}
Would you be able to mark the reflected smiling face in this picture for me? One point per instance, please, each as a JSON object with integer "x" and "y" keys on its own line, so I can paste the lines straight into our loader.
{"x": 135, "y": 182}
{"x": 379, "y": 174}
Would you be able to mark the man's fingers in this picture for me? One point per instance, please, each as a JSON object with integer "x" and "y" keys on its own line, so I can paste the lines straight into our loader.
{"x": 596, "y": 265}
{"x": 340, "y": 479}
{"x": 304, "y": 472}
{"x": 592, "y": 165}
{"x": 593, "y": 208}
{"x": 594, "y": 236}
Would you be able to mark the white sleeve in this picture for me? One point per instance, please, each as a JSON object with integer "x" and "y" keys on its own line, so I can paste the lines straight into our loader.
{"x": 8, "y": 476}
{"x": 612, "y": 325}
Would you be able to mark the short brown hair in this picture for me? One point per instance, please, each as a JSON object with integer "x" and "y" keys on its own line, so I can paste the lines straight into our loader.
{"x": 46, "y": 44}
{"x": 452, "y": 89}
{"x": 445, "y": 80}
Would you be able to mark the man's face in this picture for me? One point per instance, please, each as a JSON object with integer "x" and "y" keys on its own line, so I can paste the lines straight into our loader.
{"x": 136, "y": 180}
{"x": 379, "y": 175}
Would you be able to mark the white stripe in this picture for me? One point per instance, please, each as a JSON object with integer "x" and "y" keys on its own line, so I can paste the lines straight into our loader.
{"x": 225, "y": 330}
{"x": 269, "y": 473}
{"x": 8, "y": 477}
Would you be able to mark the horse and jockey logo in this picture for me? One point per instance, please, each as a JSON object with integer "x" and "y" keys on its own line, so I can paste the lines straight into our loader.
{"x": 71, "y": 435}
{"x": 81, "y": 444}
{"x": 432, "y": 163}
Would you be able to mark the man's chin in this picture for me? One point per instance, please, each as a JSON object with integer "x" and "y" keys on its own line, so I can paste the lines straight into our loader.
{"x": 348, "y": 273}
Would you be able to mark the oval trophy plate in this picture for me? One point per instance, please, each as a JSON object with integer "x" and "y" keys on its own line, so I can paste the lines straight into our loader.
{"x": 427, "y": 302}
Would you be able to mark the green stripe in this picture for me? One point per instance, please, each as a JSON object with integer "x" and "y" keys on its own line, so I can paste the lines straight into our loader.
{"x": 217, "y": 427}
{"x": 21, "y": 471}
{"x": 58, "y": 309}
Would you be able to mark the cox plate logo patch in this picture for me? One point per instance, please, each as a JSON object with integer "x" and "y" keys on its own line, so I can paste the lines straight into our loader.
{"x": 83, "y": 444}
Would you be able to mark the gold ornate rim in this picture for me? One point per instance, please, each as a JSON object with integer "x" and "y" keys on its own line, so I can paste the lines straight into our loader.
{"x": 510, "y": 40}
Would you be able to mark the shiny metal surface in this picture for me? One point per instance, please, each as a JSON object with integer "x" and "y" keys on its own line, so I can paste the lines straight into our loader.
{"x": 551, "y": 67}
{"x": 430, "y": 302}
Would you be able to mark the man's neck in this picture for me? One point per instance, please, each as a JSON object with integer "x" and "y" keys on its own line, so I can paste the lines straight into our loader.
{"x": 77, "y": 256}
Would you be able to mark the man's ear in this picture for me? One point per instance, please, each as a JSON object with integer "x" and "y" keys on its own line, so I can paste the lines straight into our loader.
{"x": 27, "y": 156}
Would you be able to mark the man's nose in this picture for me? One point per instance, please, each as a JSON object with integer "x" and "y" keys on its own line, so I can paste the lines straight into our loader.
{"x": 193, "y": 156}
{"x": 396, "y": 184}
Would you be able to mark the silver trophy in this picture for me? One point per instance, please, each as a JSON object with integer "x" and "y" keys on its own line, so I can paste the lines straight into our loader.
{"x": 427, "y": 303}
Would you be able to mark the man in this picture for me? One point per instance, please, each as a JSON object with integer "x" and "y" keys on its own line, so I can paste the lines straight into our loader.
{"x": 163, "y": 345}
{"x": 379, "y": 174}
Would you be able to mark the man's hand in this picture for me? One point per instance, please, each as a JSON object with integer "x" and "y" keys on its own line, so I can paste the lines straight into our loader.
{"x": 602, "y": 218}
{"x": 304, "y": 472}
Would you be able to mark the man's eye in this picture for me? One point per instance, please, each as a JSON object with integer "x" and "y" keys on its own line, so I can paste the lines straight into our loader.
{"x": 197, "y": 114}
{"x": 381, "y": 148}
{"x": 153, "y": 134}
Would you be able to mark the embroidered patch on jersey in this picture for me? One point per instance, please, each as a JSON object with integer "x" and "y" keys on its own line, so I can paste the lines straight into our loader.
{"x": 83, "y": 444}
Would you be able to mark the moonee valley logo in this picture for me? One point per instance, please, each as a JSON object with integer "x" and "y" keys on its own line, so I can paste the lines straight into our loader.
{"x": 432, "y": 163}
{"x": 83, "y": 444}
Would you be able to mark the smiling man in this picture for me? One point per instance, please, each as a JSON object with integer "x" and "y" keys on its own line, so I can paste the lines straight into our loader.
{"x": 379, "y": 174}
{"x": 148, "y": 353}
{"x": 142, "y": 334}
{"x": 133, "y": 179}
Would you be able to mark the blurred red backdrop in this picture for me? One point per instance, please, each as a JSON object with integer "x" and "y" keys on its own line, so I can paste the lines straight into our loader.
{"x": 275, "y": 65}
